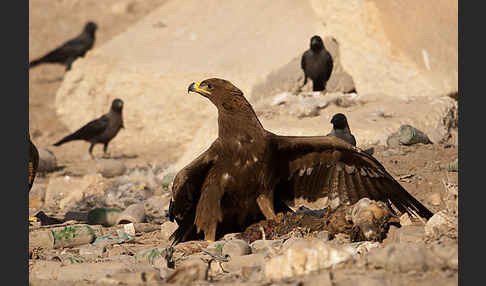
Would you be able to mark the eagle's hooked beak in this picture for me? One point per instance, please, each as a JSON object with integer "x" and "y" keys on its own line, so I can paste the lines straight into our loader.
{"x": 194, "y": 87}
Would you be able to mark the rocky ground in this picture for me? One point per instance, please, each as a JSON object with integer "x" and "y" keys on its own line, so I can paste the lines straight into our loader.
{"x": 416, "y": 253}
{"x": 127, "y": 244}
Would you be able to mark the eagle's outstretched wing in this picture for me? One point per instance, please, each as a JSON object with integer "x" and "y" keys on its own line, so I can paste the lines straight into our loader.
{"x": 327, "y": 172}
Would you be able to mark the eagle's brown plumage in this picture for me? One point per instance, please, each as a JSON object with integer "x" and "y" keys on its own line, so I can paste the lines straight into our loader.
{"x": 249, "y": 173}
{"x": 33, "y": 162}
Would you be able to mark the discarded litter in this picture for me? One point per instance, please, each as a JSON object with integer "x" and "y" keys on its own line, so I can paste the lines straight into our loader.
{"x": 67, "y": 258}
{"x": 104, "y": 216}
{"x": 111, "y": 239}
{"x": 453, "y": 166}
{"x": 70, "y": 236}
{"x": 407, "y": 135}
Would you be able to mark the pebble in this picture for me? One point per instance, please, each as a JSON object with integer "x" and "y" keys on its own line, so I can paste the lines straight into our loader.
{"x": 156, "y": 208}
{"x": 435, "y": 199}
{"x": 110, "y": 168}
{"x": 236, "y": 247}
{"x": 231, "y": 236}
{"x": 132, "y": 214}
{"x": 47, "y": 161}
{"x": 303, "y": 257}
{"x": 153, "y": 256}
{"x": 265, "y": 246}
{"x": 408, "y": 233}
{"x": 190, "y": 270}
{"x": 323, "y": 235}
{"x": 448, "y": 253}
{"x": 404, "y": 257}
{"x": 241, "y": 263}
{"x": 282, "y": 98}
{"x": 91, "y": 252}
{"x": 37, "y": 196}
{"x": 441, "y": 224}
{"x": 166, "y": 230}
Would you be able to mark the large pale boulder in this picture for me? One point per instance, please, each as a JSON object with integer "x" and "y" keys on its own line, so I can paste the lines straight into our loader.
{"x": 151, "y": 64}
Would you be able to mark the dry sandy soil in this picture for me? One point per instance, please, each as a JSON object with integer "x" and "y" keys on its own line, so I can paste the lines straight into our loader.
{"x": 45, "y": 34}
{"x": 420, "y": 168}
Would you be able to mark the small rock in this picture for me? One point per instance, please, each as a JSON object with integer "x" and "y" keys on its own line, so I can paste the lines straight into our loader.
{"x": 409, "y": 233}
{"x": 165, "y": 272}
{"x": 441, "y": 224}
{"x": 323, "y": 235}
{"x": 110, "y": 168}
{"x": 145, "y": 227}
{"x": 404, "y": 257}
{"x": 265, "y": 246}
{"x": 153, "y": 256}
{"x": 123, "y": 7}
{"x": 282, "y": 98}
{"x": 435, "y": 199}
{"x": 303, "y": 257}
{"x": 47, "y": 160}
{"x": 37, "y": 196}
{"x": 231, "y": 236}
{"x": 405, "y": 220}
{"x": 392, "y": 141}
{"x": 129, "y": 229}
{"x": 309, "y": 106}
{"x": 252, "y": 273}
{"x": 41, "y": 239}
{"x": 236, "y": 247}
{"x": 239, "y": 263}
{"x": 91, "y": 251}
{"x": 448, "y": 253}
{"x": 167, "y": 229}
{"x": 361, "y": 248}
{"x": 290, "y": 242}
{"x": 215, "y": 249}
{"x": 132, "y": 214}
{"x": 190, "y": 270}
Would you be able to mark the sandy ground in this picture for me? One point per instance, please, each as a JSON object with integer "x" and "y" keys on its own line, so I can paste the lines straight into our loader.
{"x": 45, "y": 34}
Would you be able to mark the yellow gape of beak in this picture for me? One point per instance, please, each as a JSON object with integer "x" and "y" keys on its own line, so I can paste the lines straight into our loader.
{"x": 196, "y": 88}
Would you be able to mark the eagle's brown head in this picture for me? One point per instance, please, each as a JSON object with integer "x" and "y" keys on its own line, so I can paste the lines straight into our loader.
{"x": 235, "y": 114}
{"x": 222, "y": 93}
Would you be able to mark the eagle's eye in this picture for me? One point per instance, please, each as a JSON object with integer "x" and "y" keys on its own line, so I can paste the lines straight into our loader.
{"x": 210, "y": 86}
